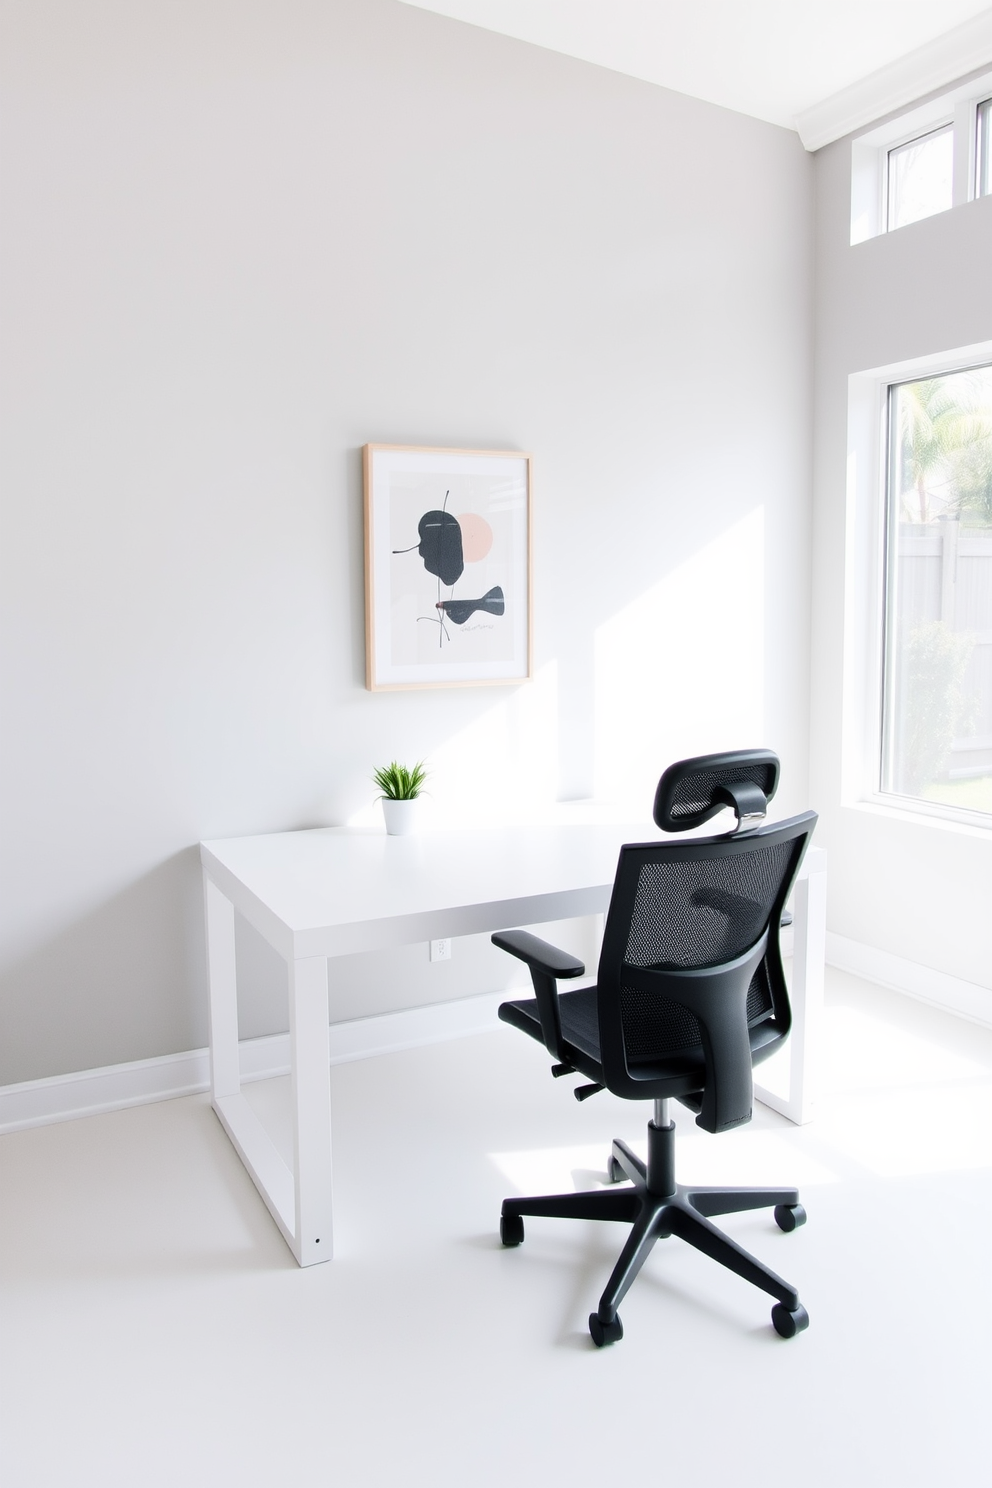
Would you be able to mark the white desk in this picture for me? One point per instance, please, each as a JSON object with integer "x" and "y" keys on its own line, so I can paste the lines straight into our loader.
{"x": 333, "y": 892}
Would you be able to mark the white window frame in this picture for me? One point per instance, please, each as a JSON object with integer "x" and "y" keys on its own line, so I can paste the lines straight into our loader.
{"x": 864, "y": 588}
{"x": 916, "y": 139}
{"x": 983, "y": 148}
{"x": 870, "y": 154}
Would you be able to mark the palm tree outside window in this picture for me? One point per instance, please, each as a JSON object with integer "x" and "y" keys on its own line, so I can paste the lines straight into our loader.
{"x": 937, "y": 668}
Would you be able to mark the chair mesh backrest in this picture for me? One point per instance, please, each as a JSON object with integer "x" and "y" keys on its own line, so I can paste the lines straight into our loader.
{"x": 696, "y": 912}
{"x": 654, "y": 1026}
{"x": 691, "y": 912}
{"x": 694, "y": 793}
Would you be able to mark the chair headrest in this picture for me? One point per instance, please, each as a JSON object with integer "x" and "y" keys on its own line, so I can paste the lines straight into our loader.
{"x": 693, "y": 790}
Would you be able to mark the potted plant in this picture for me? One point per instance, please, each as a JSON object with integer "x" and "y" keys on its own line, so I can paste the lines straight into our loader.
{"x": 400, "y": 789}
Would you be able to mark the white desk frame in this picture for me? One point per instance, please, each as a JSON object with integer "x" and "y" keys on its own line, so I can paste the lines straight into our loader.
{"x": 330, "y": 892}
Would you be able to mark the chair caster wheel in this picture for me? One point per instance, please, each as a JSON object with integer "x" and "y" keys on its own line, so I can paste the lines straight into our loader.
{"x": 790, "y": 1216}
{"x": 787, "y": 1324}
{"x": 604, "y": 1333}
{"x": 511, "y": 1229}
{"x": 614, "y": 1171}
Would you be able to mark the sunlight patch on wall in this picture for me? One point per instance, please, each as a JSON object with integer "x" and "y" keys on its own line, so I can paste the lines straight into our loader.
{"x": 680, "y": 670}
{"x": 501, "y": 767}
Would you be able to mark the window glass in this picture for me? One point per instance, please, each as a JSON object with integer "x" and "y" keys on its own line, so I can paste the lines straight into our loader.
{"x": 937, "y": 695}
{"x": 984, "y": 182}
{"x": 921, "y": 177}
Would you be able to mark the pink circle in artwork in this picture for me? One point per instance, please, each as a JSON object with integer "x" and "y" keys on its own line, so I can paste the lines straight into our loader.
{"x": 477, "y": 536}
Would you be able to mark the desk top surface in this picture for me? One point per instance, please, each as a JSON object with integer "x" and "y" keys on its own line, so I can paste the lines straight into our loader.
{"x": 335, "y": 890}
{"x": 333, "y": 875}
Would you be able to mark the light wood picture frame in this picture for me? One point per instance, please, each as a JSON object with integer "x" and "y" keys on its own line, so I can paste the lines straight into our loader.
{"x": 448, "y": 598}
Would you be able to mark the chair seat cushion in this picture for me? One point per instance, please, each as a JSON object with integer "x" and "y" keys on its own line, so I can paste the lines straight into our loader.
{"x": 680, "y": 1071}
{"x": 579, "y": 1019}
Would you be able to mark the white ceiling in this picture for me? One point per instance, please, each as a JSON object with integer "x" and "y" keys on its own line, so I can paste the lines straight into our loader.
{"x": 799, "y": 63}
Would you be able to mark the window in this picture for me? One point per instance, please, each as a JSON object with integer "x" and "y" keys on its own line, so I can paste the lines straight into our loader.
{"x": 920, "y": 177}
{"x": 931, "y": 158}
{"x": 936, "y": 737}
{"x": 983, "y": 175}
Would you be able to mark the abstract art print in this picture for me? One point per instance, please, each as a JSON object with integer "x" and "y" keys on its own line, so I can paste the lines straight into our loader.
{"x": 447, "y": 567}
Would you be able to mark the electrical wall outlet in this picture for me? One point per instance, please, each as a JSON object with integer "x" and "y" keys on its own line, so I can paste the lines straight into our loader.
{"x": 440, "y": 950}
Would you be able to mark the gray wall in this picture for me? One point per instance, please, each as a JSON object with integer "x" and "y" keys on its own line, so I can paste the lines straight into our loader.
{"x": 916, "y": 889}
{"x": 239, "y": 240}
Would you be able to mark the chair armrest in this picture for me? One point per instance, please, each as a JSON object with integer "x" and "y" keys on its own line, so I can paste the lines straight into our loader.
{"x": 538, "y": 954}
{"x": 545, "y": 963}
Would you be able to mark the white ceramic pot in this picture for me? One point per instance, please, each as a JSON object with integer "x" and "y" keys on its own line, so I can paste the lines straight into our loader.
{"x": 401, "y": 817}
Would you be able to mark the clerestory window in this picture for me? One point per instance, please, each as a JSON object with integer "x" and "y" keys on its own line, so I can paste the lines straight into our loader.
{"x": 927, "y": 160}
{"x": 920, "y": 178}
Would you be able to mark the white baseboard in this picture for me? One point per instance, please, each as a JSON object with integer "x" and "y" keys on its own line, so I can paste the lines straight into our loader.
{"x": 967, "y": 999}
{"x": 85, "y": 1092}
{"x": 88, "y": 1092}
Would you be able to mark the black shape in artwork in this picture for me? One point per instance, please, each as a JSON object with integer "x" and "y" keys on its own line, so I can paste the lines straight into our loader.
{"x": 443, "y": 554}
{"x": 459, "y": 610}
{"x": 440, "y": 546}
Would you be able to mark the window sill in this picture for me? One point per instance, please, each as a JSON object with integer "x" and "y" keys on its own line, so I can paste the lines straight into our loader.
{"x": 918, "y": 816}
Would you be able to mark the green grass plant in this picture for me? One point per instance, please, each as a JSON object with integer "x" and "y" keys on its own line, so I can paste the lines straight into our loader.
{"x": 397, "y": 783}
{"x": 968, "y": 795}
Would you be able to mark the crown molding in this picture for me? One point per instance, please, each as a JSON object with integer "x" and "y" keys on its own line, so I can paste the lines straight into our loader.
{"x": 943, "y": 60}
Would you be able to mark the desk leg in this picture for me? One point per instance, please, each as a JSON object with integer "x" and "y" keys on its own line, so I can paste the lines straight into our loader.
{"x": 298, "y": 1200}
{"x": 808, "y": 956}
{"x": 310, "y": 1056}
{"x": 225, "y": 1070}
{"x": 809, "y": 952}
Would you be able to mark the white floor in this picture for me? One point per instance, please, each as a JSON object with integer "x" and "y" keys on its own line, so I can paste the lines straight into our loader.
{"x": 155, "y": 1330}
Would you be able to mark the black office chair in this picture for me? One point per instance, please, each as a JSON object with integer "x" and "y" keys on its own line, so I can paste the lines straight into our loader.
{"x": 690, "y": 994}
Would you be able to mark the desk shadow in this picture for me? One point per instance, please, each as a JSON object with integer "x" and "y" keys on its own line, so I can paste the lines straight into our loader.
{"x": 148, "y": 1193}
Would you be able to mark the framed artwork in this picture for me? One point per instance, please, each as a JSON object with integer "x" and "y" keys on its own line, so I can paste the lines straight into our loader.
{"x": 447, "y": 567}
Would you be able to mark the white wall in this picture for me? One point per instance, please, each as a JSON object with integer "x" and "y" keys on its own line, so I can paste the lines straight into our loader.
{"x": 901, "y": 884}
{"x": 239, "y": 240}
